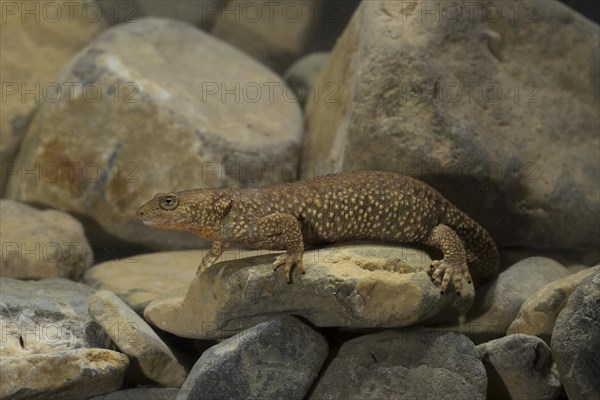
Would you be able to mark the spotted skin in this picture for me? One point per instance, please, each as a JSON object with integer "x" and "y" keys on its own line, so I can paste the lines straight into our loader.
{"x": 362, "y": 205}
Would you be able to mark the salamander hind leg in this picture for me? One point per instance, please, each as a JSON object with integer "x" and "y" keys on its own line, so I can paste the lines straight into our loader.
{"x": 453, "y": 267}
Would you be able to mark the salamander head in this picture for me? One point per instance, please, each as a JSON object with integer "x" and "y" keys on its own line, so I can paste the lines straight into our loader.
{"x": 198, "y": 211}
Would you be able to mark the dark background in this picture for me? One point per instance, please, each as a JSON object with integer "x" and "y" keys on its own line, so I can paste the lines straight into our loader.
{"x": 589, "y": 8}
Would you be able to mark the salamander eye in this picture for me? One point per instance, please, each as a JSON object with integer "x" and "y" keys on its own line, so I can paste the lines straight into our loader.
{"x": 169, "y": 202}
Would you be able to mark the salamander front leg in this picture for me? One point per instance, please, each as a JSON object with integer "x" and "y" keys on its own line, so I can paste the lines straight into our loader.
{"x": 281, "y": 231}
{"x": 213, "y": 255}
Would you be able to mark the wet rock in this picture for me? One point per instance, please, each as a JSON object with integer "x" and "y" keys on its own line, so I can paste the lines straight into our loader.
{"x": 576, "y": 340}
{"x": 278, "y": 359}
{"x": 520, "y": 367}
{"x": 538, "y": 314}
{"x": 140, "y": 394}
{"x": 41, "y": 244}
{"x": 139, "y": 279}
{"x": 405, "y": 364}
{"x": 302, "y": 77}
{"x": 134, "y": 337}
{"x": 276, "y": 33}
{"x": 498, "y": 302}
{"x": 470, "y": 100}
{"x": 37, "y": 40}
{"x": 46, "y": 316}
{"x": 351, "y": 285}
{"x": 152, "y": 115}
{"x": 69, "y": 375}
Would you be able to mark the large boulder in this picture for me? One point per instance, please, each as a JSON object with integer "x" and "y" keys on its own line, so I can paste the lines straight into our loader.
{"x": 399, "y": 365}
{"x": 38, "y": 39}
{"x": 351, "y": 286}
{"x": 474, "y": 99}
{"x": 576, "y": 340}
{"x": 156, "y": 106}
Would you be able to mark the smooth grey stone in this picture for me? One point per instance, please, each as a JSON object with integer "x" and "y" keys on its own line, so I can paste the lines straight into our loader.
{"x": 277, "y": 359}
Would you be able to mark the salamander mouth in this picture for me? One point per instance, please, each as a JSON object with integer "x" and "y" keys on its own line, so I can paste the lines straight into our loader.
{"x": 150, "y": 217}
{"x": 151, "y": 223}
{"x": 163, "y": 223}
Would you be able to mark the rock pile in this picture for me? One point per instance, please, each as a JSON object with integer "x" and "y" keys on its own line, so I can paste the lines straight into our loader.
{"x": 106, "y": 103}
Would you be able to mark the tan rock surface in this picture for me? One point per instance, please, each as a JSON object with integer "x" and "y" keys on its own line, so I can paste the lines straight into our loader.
{"x": 140, "y": 279}
{"x": 39, "y": 244}
{"x": 355, "y": 286}
{"x": 66, "y": 375}
{"x": 538, "y": 314}
{"x": 136, "y": 339}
